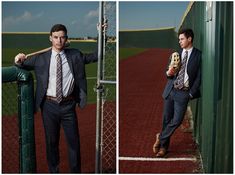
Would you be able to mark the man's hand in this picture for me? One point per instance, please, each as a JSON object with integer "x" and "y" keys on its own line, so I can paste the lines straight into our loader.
{"x": 20, "y": 58}
{"x": 171, "y": 71}
{"x": 104, "y": 25}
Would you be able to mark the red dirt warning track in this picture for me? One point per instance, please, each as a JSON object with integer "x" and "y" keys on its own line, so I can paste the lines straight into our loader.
{"x": 142, "y": 80}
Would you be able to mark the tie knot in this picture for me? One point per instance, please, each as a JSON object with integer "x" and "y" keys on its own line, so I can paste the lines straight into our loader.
{"x": 185, "y": 55}
{"x": 58, "y": 56}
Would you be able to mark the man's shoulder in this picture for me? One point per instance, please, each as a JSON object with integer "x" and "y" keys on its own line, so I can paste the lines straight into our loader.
{"x": 72, "y": 51}
{"x": 197, "y": 50}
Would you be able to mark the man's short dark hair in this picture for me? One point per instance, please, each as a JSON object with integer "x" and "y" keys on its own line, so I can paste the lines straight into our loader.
{"x": 58, "y": 27}
{"x": 187, "y": 32}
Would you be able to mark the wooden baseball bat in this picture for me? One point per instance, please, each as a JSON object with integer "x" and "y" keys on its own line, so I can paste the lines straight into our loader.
{"x": 67, "y": 44}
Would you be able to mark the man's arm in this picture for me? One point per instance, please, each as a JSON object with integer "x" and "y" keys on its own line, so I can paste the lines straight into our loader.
{"x": 24, "y": 62}
{"x": 197, "y": 81}
{"x": 90, "y": 57}
{"x": 93, "y": 57}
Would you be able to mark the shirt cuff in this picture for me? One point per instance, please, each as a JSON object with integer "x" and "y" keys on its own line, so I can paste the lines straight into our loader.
{"x": 190, "y": 95}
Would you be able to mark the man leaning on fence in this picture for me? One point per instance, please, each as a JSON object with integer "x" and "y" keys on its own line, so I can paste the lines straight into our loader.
{"x": 181, "y": 87}
{"x": 61, "y": 84}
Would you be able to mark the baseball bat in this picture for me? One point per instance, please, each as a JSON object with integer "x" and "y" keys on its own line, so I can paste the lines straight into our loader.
{"x": 67, "y": 44}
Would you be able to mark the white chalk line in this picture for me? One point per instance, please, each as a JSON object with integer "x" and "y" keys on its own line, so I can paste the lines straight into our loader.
{"x": 158, "y": 159}
{"x": 92, "y": 78}
{"x": 88, "y": 78}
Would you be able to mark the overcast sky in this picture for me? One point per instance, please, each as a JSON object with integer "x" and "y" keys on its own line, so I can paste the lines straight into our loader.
{"x": 147, "y": 15}
{"x": 80, "y": 18}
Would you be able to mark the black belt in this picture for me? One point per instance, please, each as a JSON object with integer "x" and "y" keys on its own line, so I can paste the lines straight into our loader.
{"x": 68, "y": 98}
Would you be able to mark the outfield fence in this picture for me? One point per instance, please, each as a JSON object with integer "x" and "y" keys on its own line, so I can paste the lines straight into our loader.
{"x": 212, "y": 23}
{"x": 149, "y": 38}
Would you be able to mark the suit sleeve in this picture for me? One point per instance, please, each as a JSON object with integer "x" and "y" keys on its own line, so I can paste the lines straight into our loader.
{"x": 90, "y": 57}
{"x": 28, "y": 64}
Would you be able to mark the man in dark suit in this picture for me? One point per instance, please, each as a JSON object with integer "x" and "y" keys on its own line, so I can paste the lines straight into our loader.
{"x": 61, "y": 84}
{"x": 181, "y": 87}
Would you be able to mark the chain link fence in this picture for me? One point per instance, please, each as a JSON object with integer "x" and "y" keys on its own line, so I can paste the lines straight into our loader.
{"x": 108, "y": 111}
{"x": 10, "y": 129}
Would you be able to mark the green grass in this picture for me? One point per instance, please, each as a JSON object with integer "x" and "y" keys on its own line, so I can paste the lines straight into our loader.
{"x": 127, "y": 52}
{"x": 8, "y": 54}
{"x": 9, "y": 91}
{"x": 9, "y": 98}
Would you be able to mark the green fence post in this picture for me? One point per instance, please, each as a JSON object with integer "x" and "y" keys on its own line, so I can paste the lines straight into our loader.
{"x": 26, "y": 116}
{"x": 28, "y": 155}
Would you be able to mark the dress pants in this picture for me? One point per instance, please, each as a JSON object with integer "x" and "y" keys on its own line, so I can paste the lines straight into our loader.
{"x": 54, "y": 115}
{"x": 175, "y": 106}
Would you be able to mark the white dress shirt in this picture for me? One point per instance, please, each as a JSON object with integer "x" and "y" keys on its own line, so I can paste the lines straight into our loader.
{"x": 186, "y": 82}
{"x": 67, "y": 76}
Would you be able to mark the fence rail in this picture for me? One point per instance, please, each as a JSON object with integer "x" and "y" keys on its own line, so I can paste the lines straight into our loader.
{"x": 18, "y": 145}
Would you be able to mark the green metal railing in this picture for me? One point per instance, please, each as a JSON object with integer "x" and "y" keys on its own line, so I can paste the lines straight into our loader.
{"x": 27, "y": 154}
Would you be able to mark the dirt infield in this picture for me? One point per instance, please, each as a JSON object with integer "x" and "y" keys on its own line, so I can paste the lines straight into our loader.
{"x": 86, "y": 121}
{"x": 142, "y": 80}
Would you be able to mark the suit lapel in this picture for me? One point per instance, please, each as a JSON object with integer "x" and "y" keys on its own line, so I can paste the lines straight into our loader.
{"x": 191, "y": 59}
{"x": 69, "y": 59}
{"x": 47, "y": 59}
{"x": 180, "y": 52}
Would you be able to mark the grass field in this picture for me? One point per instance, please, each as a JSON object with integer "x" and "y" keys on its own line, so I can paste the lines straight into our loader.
{"x": 127, "y": 52}
{"x": 10, "y": 49}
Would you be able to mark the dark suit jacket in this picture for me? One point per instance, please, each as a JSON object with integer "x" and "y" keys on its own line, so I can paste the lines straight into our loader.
{"x": 194, "y": 73}
{"x": 76, "y": 60}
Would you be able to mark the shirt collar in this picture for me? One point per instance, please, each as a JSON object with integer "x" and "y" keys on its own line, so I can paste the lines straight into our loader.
{"x": 189, "y": 51}
{"x": 54, "y": 53}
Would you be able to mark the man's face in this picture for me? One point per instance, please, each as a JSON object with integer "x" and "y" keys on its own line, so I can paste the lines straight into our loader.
{"x": 58, "y": 40}
{"x": 185, "y": 42}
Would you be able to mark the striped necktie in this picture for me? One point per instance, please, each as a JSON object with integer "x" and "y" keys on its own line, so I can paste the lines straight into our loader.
{"x": 179, "y": 82}
{"x": 59, "y": 93}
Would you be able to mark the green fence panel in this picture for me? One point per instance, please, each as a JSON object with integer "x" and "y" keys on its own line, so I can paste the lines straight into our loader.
{"x": 212, "y": 23}
{"x": 27, "y": 151}
{"x": 224, "y": 81}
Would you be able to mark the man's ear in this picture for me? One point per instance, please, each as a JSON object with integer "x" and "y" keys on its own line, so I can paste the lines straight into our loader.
{"x": 50, "y": 38}
{"x": 190, "y": 39}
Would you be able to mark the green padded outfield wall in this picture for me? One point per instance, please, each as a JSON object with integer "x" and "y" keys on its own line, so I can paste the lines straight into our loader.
{"x": 24, "y": 40}
{"x": 212, "y": 23}
{"x": 152, "y": 38}
{"x": 14, "y": 43}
